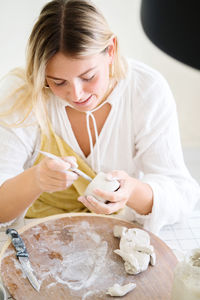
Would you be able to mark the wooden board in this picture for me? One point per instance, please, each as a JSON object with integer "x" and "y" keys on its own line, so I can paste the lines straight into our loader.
{"x": 73, "y": 258}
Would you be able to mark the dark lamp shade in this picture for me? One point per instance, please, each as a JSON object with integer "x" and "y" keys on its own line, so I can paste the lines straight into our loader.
{"x": 174, "y": 27}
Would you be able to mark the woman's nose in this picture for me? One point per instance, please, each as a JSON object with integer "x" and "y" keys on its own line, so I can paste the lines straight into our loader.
{"x": 76, "y": 91}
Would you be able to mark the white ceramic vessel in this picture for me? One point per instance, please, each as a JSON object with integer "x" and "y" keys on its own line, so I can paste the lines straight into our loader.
{"x": 101, "y": 182}
{"x": 186, "y": 285}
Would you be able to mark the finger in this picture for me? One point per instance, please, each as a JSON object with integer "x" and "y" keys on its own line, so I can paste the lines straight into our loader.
{"x": 103, "y": 208}
{"x": 111, "y": 177}
{"x": 91, "y": 205}
{"x": 55, "y": 185}
{"x": 100, "y": 207}
{"x": 114, "y": 207}
{"x": 55, "y": 165}
{"x": 70, "y": 175}
{"x": 59, "y": 170}
{"x": 71, "y": 160}
{"x": 50, "y": 188}
{"x": 58, "y": 175}
{"x": 117, "y": 196}
{"x": 55, "y": 178}
{"x": 117, "y": 175}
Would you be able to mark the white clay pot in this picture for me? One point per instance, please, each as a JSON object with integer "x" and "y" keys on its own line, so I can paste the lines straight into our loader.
{"x": 101, "y": 182}
{"x": 186, "y": 285}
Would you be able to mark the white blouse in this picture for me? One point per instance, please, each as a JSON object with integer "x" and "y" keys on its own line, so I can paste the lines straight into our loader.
{"x": 140, "y": 136}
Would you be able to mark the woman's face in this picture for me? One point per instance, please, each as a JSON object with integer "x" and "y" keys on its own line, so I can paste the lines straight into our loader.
{"x": 82, "y": 82}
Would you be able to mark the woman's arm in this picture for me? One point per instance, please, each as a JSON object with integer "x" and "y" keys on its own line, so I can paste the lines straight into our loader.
{"x": 18, "y": 193}
{"x": 141, "y": 198}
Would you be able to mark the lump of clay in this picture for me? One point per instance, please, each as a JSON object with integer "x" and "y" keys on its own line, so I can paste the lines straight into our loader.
{"x": 135, "y": 261}
{"x": 119, "y": 230}
{"x": 135, "y": 249}
{"x": 136, "y": 239}
{"x": 120, "y": 290}
{"x": 101, "y": 182}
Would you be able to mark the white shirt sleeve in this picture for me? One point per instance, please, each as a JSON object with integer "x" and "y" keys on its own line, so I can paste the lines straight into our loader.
{"x": 159, "y": 157}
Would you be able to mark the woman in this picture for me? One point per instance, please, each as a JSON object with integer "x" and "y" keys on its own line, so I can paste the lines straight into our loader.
{"x": 79, "y": 99}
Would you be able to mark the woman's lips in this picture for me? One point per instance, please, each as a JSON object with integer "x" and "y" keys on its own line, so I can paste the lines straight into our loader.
{"x": 85, "y": 102}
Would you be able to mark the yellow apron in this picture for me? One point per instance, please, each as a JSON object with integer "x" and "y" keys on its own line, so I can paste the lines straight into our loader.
{"x": 63, "y": 201}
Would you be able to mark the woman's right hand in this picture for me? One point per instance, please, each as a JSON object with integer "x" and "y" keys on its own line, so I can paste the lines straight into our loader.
{"x": 52, "y": 175}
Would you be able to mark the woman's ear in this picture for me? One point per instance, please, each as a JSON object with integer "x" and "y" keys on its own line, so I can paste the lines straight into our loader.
{"x": 111, "y": 48}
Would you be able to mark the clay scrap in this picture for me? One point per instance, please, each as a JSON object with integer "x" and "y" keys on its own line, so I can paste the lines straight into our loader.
{"x": 135, "y": 249}
{"x": 120, "y": 290}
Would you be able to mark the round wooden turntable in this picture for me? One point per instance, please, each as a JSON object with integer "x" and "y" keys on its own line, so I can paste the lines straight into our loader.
{"x": 72, "y": 256}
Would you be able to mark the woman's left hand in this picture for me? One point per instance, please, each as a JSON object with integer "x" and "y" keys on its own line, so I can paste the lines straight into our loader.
{"x": 117, "y": 200}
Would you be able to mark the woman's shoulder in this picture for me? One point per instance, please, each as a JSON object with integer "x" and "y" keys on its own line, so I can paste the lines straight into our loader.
{"x": 141, "y": 71}
{"x": 149, "y": 87}
{"x": 145, "y": 79}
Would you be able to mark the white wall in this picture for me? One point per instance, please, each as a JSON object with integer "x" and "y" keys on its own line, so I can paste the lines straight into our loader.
{"x": 18, "y": 16}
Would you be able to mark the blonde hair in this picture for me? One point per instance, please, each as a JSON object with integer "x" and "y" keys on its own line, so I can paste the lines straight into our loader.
{"x": 74, "y": 27}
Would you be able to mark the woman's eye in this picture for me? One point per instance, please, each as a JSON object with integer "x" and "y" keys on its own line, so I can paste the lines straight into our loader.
{"x": 89, "y": 79}
{"x": 59, "y": 83}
